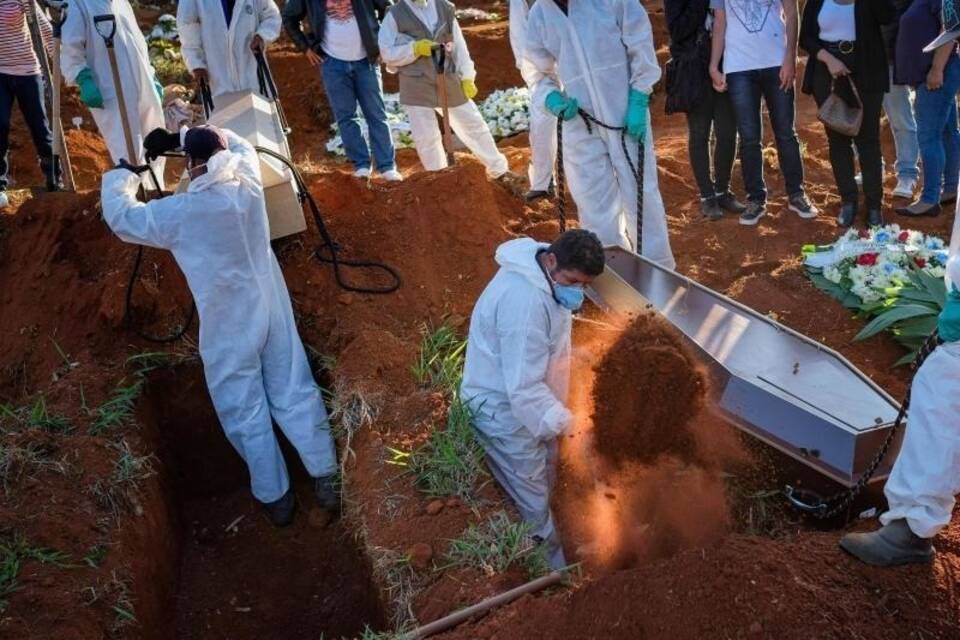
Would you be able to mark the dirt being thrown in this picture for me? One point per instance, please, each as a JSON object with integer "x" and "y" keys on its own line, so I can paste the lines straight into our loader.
{"x": 648, "y": 390}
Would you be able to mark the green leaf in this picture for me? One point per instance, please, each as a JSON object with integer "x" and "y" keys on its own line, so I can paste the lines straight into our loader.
{"x": 916, "y": 328}
{"x": 907, "y": 359}
{"x": 894, "y": 315}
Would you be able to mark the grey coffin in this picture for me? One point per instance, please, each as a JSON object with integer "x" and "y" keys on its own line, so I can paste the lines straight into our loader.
{"x": 780, "y": 386}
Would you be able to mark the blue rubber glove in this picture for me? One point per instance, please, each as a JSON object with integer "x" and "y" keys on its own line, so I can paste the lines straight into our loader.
{"x": 949, "y": 321}
{"x": 89, "y": 91}
{"x": 638, "y": 108}
{"x": 159, "y": 89}
{"x": 561, "y": 105}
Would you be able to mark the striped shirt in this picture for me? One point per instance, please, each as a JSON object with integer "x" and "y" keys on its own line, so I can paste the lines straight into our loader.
{"x": 17, "y": 57}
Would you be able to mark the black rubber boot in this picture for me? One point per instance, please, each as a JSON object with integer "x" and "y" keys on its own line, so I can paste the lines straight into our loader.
{"x": 281, "y": 511}
{"x": 325, "y": 489}
{"x": 892, "y": 545}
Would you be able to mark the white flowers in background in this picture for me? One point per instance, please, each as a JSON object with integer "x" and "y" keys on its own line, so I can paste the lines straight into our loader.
{"x": 478, "y": 15}
{"x": 165, "y": 29}
{"x": 506, "y": 112}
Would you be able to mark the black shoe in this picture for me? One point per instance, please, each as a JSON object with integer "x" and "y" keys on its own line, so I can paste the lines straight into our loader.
{"x": 55, "y": 184}
{"x": 710, "y": 208}
{"x": 920, "y": 209}
{"x": 729, "y": 203}
{"x": 948, "y": 198}
{"x": 799, "y": 204}
{"x": 875, "y": 216}
{"x": 325, "y": 489}
{"x": 847, "y": 215}
{"x": 752, "y": 214}
{"x": 281, "y": 511}
{"x": 538, "y": 194}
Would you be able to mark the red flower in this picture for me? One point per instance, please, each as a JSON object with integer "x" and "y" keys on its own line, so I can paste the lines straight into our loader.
{"x": 920, "y": 262}
{"x": 864, "y": 234}
{"x": 904, "y": 236}
{"x": 867, "y": 259}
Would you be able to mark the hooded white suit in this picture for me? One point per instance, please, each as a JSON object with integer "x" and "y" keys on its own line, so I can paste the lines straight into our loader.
{"x": 515, "y": 381}
{"x": 596, "y": 55}
{"x": 543, "y": 124}
{"x": 224, "y": 50}
{"x": 253, "y": 359}
{"x": 82, "y": 47}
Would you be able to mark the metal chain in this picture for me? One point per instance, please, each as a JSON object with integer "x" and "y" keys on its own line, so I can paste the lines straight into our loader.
{"x": 843, "y": 499}
{"x": 635, "y": 169}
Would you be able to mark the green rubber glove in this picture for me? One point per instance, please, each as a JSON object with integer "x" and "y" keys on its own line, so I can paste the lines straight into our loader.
{"x": 158, "y": 88}
{"x": 562, "y": 105}
{"x": 89, "y": 91}
{"x": 949, "y": 321}
{"x": 638, "y": 107}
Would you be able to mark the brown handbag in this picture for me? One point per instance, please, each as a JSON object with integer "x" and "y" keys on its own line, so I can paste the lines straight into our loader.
{"x": 837, "y": 114}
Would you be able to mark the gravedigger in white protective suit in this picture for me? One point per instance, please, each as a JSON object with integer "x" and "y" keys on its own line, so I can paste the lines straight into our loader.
{"x": 598, "y": 56}
{"x": 407, "y": 36}
{"x": 543, "y": 124}
{"x": 84, "y": 61}
{"x": 517, "y": 368}
{"x": 253, "y": 359}
{"x": 218, "y": 40}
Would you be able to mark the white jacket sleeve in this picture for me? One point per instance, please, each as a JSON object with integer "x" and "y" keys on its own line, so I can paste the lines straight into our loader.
{"x": 73, "y": 43}
{"x": 637, "y": 36}
{"x": 190, "y": 29}
{"x": 518, "y": 28}
{"x": 461, "y": 54}
{"x": 249, "y": 169}
{"x": 522, "y": 329}
{"x": 269, "y": 28}
{"x": 154, "y": 224}
{"x": 396, "y": 49}
{"x": 542, "y": 62}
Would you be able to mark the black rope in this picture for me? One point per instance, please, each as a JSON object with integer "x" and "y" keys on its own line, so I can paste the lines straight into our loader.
{"x": 328, "y": 243}
{"x": 134, "y": 276}
{"x": 635, "y": 169}
{"x": 829, "y": 507}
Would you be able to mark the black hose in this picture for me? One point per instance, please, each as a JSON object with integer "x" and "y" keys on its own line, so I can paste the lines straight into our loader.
{"x": 331, "y": 246}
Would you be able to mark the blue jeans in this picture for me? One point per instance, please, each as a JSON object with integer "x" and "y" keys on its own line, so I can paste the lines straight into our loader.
{"x": 746, "y": 89}
{"x": 938, "y": 135}
{"x": 28, "y": 92}
{"x": 350, "y": 83}
{"x": 898, "y": 105}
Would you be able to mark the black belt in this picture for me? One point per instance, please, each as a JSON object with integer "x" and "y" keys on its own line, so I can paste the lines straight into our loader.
{"x": 846, "y": 47}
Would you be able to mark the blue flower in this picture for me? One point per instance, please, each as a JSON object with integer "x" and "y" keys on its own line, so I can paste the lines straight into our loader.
{"x": 889, "y": 268}
{"x": 941, "y": 257}
{"x": 934, "y": 243}
{"x": 882, "y": 236}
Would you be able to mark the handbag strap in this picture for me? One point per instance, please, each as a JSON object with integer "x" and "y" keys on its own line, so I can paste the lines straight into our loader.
{"x": 853, "y": 86}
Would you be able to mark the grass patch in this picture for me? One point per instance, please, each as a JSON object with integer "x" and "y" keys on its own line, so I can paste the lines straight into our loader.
{"x": 498, "y": 544}
{"x": 14, "y": 550}
{"x": 440, "y": 362}
{"x": 117, "y": 411}
{"x": 117, "y": 493}
{"x": 401, "y": 584}
{"x": 95, "y": 555}
{"x": 16, "y": 460}
{"x": 35, "y": 416}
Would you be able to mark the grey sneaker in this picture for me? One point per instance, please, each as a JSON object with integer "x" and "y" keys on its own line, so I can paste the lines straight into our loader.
{"x": 281, "y": 511}
{"x": 753, "y": 213}
{"x": 892, "y": 545}
{"x": 325, "y": 489}
{"x": 710, "y": 209}
{"x": 800, "y": 205}
{"x": 729, "y": 203}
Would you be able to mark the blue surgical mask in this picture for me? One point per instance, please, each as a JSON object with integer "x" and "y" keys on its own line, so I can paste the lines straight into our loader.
{"x": 569, "y": 296}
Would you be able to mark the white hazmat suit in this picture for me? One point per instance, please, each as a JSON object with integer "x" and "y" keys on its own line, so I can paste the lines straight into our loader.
{"x": 224, "y": 50}
{"x": 543, "y": 124}
{"x": 83, "y": 47}
{"x": 253, "y": 359}
{"x": 926, "y": 476}
{"x": 596, "y": 55}
{"x": 516, "y": 380}
{"x": 396, "y": 50}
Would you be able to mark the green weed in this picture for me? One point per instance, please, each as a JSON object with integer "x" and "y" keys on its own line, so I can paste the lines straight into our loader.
{"x": 14, "y": 550}
{"x": 401, "y": 582}
{"x": 36, "y": 416}
{"x": 117, "y": 493}
{"x": 16, "y": 460}
{"x": 498, "y": 544}
{"x": 96, "y": 555}
{"x": 440, "y": 362}
{"x": 451, "y": 462}
{"x": 118, "y": 410}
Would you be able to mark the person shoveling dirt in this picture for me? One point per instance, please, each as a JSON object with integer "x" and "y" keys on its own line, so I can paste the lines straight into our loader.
{"x": 647, "y": 390}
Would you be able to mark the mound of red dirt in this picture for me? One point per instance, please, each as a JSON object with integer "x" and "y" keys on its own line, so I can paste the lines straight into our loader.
{"x": 647, "y": 390}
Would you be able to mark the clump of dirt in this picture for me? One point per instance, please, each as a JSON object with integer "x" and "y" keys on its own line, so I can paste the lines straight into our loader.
{"x": 647, "y": 390}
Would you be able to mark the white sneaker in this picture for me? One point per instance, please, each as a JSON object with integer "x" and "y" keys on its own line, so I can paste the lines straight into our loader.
{"x": 905, "y": 188}
{"x": 392, "y": 176}
{"x": 362, "y": 173}
{"x": 4, "y": 200}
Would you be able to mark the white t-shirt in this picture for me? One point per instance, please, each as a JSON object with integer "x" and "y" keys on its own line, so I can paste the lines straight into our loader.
{"x": 341, "y": 39}
{"x": 837, "y": 22}
{"x": 756, "y": 34}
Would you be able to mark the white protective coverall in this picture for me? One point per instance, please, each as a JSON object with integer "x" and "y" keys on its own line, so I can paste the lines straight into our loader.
{"x": 396, "y": 50}
{"x": 543, "y": 124}
{"x": 82, "y": 46}
{"x": 516, "y": 380}
{"x": 224, "y": 51}
{"x": 926, "y": 476}
{"x": 596, "y": 55}
{"x": 253, "y": 359}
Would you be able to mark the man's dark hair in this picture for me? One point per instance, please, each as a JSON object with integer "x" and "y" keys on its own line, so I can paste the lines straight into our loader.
{"x": 580, "y": 250}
